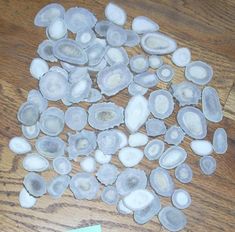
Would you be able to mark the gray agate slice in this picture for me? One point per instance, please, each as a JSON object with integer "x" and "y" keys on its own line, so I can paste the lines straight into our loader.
{"x": 93, "y": 96}
{"x": 135, "y": 89}
{"x": 116, "y": 36}
{"x": 207, "y": 164}
{"x": 155, "y": 127}
{"x": 184, "y": 173}
{"x": 154, "y": 149}
{"x": 139, "y": 63}
{"x": 110, "y": 195}
{"x": 62, "y": 165}
{"x": 172, "y": 218}
{"x": 146, "y": 79}
{"x": 193, "y": 122}
{"x": 35, "y": 97}
{"x": 174, "y": 135}
{"x": 220, "y": 141}
{"x": 113, "y": 79}
{"x": 211, "y": 106}
{"x": 85, "y": 37}
{"x": 102, "y": 27}
{"x": 45, "y": 51}
{"x": 104, "y": 116}
{"x": 132, "y": 40}
{"x": 165, "y": 73}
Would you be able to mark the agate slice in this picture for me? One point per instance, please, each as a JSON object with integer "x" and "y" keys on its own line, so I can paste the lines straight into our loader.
{"x": 110, "y": 195}
{"x": 101, "y": 158}
{"x": 146, "y": 79}
{"x": 113, "y": 79}
{"x": 172, "y": 218}
{"x": 35, "y": 184}
{"x": 57, "y": 29}
{"x": 104, "y": 116}
{"x": 181, "y": 199}
{"x": 88, "y": 164}
{"x": 155, "y": 127}
{"x": 123, "y": 141}
{"x": 174, "y": 135}
{"x": 172, "y": 157}
{"x": 26, "y": 200}
{"x": 161, "y": 103}
{"x": 161, "y": 182}
{"x": 31, "y": 132}
{"x": 122, "y": 209}
{"x": 33, "y": 162}
{"x": 116, "y": 36}
{"x": 132, "y": 39}
{"x": 136, "y": 113}
{"x": 193, "y": 122}
{"x": 78, "y": 17}
{"x": 62, "y": 165}
{"x": 116, "y": 56}
{"x": 211, "y": 106}
{"x": 36, "y": 98}
{"x": 93, "y": 96}
{"x": 201, "y": 147}
{"x": 19, "y": 145}
{"x": 165, "y": 73}
{"x": 38, "y": 68}
{"x": 85, "y": 37}
{"x": 181, "y": 57}
{"x": 135, "y": 89}
{"x": 199, "y": 72}
{"x": 45, "y": 51}
{"x": 186, "y": 93}
{"x": 155, "y": 61}
{"x": 102, "y": 27}
{"x": 48, "y": 13}
{"x": 69, "y": 51}
{"x": 84, "y": 186}
{"x": 129, "y": 180}
{"x": 142, "y": 24}
{"x": 156, "y": 43}
{"x": 138, "y": 139}
{"x": 154, "y": 149}
{"x": 184, "y": 173}
{"x": 139, "y": 63}
{"x": 220, "y": 141}
{"x": 207, "y": 164}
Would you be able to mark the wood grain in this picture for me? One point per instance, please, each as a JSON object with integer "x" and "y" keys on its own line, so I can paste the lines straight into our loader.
{"x": 204, "y": 26}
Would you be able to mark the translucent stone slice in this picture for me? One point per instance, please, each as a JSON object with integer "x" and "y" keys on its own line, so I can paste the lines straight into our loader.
{"x": 174, "y": 135}
{"x": 130, "y": 179}
{"x": 28, "y": 114}
{"x": 107, "y": 174}
{"x": 81, "y": 143}
{"x": 116, "y": 36}
{"x": 181, "y": 199}
{"x": 172, "y": 218}
{"x": 110, "y": 195}
{"x": 31, "y": 132}
{"x": 26, "y": 200}
{"x": 57, "y": 186}
{"x": 184, "y": 173}
{"x": 104, "y": 116}
{"x": 154, "y": 149}
{"x": 84, "y": 186}
{"x": 139, "y": 63}
{"x": 165, "y": 73}
{"x": 62, "y": 165}
{"x": 146, "y": 79}
{"x": 186, "y": 93}
{"x": 156, "y": 43}
{"x": 146, "y": 214}
{"x": 172, "y": 157}
{"x": 199, "y": 72}
{"x": 97, "y": 68}
{"x": 19, "y": 145}
{"x": 130, "y": 156}
{"x": 101, "y": 158}
{"x": 50, "y": 147}
{"x": 122, "y": 209}
{"x": 35, "y": 184}
{"x": 45, "y": 51}
{"x": 142, "y": 25}
{"x": 57, "y": 29}
{"x": 116, "y": 56}
{"x": 48, "y": 13}
{"x": 115, "y": 14}
{"x": 78, "y": 17}
{"x": 207, "y": 164}
{"x": 181, "y": 57}
{"x": 192, "y": 122}
{"x": 201, "y": 147}
{"x": 102, "y": 27}
{"x": 161, "y": 103}
{"x": 93, "y": 96}
{"x": 88, "y": 164}
{"x": 122, "y": 138}
{"x": 53, "y": 86}
{"x": 35, "y": 97}
{"x": 136, "y": 113}
{"x": 138, "y": 139}
{"x": 75, "y": 118}
{"x": 155, "y": 127}
{"x": 220, "y": 141}
{"x": 161, "y": 182}
{"x": 85, "y": 37}
{"x": 38, "y": 68}
{"x": 155, "y": 61}
{"x": 33, "y": 162}
{"x": 132, "y": 40}
{"x": 59, "y": 70}
{"x": 69, "y": 51}
{"x": 211, "y": 106}
{"x": 135, "y": 89}
{"x": 77, "y": 74}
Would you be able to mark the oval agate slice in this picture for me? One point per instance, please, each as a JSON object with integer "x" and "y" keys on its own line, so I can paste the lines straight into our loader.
{"x": 181, "y": 57}
{"x": 207, "y": 164}
{"x": 184, "y": 173}
{"x": 154, "y": 149}
{"x": 142, "y": 24}
{"x": 220, "y": 141}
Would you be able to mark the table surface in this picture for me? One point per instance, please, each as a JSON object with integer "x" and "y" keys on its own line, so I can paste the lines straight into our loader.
{"x": 207, "y": 28}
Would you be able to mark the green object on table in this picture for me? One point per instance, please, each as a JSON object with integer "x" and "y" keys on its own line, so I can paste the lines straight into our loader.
{"x": 96, "y": 228}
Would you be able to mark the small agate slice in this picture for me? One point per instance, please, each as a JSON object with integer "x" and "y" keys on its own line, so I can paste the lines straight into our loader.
{"x": 102, "y": 27}
{"x": 116, "y": 36}
{"x": 135, "y": 89}
{"x": 181, "y": 199}
{"x": 38, "y": 68}
{"x": 137, "y": 139}
{"x": 45, "y": 51}
{"x": 139, "y": 63}
{"x": 174, "y": 135}
{"x": 116, "y": 56}
{"x": 26, "y": 200}
{"x": 85, "y": 37}
{"x": 207, "y": 164}
{"x": 110, "y": 195}
{"x": 57, "y": 29}
{"x": 93, "y": 96}
{"x": 181, "y": 57}
{"x": 184, "y": 173}
{"x": 31, "y": 132}
{"x": 154, "y": 149}
{"x": 62, "y": 165}
{"x": 220, "y": 141}
{"x": 142, "y": 25}
{"x": 19, "y": 145}
{"x": 33, "y": 162}
{"x": 165, "y": 73}
{"x": 146, "y": 79}
{"x": 155, "y": 61}
{"x": 199, "y": 72}
{"x": 59, "y": 70}
{"x": 88, "y": 164}
{"x": 132, "y": 39}
{"x": 101, "y": 158}
{"x": 201, "y": 147}
{"x": 35, "y": 97}
{"x": 155, "y": 127}
{"x": 122, "y": 209}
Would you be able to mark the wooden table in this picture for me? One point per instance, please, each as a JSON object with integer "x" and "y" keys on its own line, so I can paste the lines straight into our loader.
{"x": 207, "y": 28}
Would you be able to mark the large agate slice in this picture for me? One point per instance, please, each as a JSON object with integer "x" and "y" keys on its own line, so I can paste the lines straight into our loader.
{"x": 193, "y": 122}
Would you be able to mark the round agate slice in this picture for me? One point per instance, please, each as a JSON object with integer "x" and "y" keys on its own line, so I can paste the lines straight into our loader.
{"x": 155, "y": 61}
{"x": 184, "y": 173}
{"x": 155, "y": 127}
{"x": 165, "y": 73}
{"x": 181, "y": 57}
{"x": 139, "y": 63}
{"x": 181, "y": 199}
{"x": 57, "y": 29}
{"x": 207, "y": 165}
{"x": 174, "y": 135}
{"x": 85, "y": 37}
{"x": 154, "y": 149}
{"x": 31, "y": 132}
{"x": 116, "y": 36}
{"x": 62, "y": 165}
{"x": 110, "y": 195}
{"x": 107, "y": 174}
{"x": 116, "y": 56}
{"x": 35, "y": 97}
{"x": 45, "y": 51}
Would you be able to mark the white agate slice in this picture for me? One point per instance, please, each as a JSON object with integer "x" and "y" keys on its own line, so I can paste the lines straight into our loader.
{"x": 181, "y": 199}
{"x": 33, "y": 162}
{"x": 38, "y": 68}
{"x": 121, "y": 208}
{"x": 62, "y": 165}
{"x": 45, "y": 51}
{"x": 130, "y": 156}
{"x": 115, "y": 14}
{"x": 85, "y": 36}
{"x": 201, "y": 147}
{"x": 138, "y": 199}
{"x": 207, "y": 164}
{"x": 154, "y": 149}
{"x": 220, "y": 141}
{"x": 116, "y": 56}
{"x": 142, "y": 25}
{"x": 101, "y": 158}
{"x": 88, "y": 164}
{"x": 155, "y": 61}
{"x": 26, "y": 200}
{"x": 132, "y": 39}
{"x": 31, "y": 132}
{"x": 57, "y": 29}
{"x": 35, "y": 97}
{"x": 181, "y": 57}
{"x": 138, "y": 139}
{"x": 156, "y": 43}
{"x": 139, "y": 63}
{"x": 19, "y": 145}
{"x": 136, "y": 113}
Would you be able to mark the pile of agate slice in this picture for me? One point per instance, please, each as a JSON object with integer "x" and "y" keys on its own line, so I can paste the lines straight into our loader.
{"x": 91, "y": 69}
